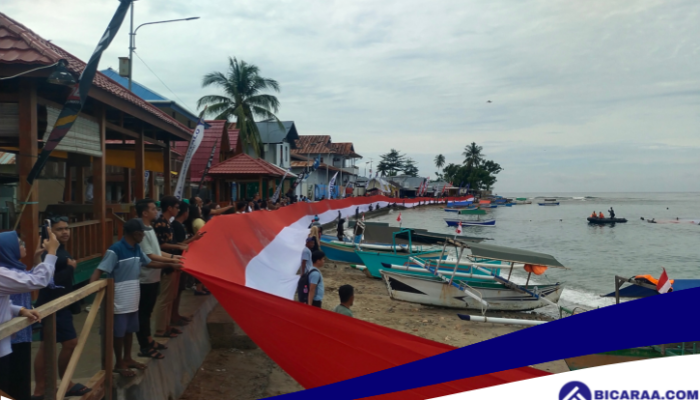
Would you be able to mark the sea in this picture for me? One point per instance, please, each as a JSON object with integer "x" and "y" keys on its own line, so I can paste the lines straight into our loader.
{"x": 593, "y": 254}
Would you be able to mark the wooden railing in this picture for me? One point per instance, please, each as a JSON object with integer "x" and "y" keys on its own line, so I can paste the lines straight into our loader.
{"x": 117, "y": 223}
{"x": 84, "y": 243}
{"x": 101, "y": 382}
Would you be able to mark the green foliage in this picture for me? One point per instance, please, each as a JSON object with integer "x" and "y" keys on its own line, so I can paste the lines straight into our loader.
{"x": 409, "y": 168}
{"x": 392, "y": 163}
{"x": 439, "y": 161}
{"x": 475, "y": 170}
{"x": 243, "y": 100}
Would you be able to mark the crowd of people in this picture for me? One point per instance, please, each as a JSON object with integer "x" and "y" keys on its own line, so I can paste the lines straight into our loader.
{"x": 146, "y": 267}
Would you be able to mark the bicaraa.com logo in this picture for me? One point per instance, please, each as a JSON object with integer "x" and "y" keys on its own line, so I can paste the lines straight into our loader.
{"x": 575, "y": 391}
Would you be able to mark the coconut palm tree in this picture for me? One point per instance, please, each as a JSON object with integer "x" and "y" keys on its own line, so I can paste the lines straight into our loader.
{"x": 243, "y": 100}
{"x": 473, "y": 156}
{"x": 439, "y": 161}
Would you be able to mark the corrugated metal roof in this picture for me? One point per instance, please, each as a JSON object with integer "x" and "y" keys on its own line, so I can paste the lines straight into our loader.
{"x": 270, "y": 132}
{"x": 243, "y": 164}
{"x": 346, "y": 149}
{"x": 18, "y": 44}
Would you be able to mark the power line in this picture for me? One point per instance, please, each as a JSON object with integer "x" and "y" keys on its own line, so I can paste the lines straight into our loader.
{"x": 166, "y": 86}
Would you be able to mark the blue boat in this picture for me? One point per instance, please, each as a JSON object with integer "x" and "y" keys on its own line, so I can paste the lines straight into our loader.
{"x": 373, "y": 260}
{"x": 470, "y": 222}
{"x": 459, "y": 203}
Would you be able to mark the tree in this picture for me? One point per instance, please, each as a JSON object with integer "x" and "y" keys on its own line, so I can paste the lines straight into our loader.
{"x": 391, "y": 163}
{"x": 473, "y": 156}
{"x": 439, "y": 161}
{"x": 243, "y": 100}
{"x": 409, "y": 168}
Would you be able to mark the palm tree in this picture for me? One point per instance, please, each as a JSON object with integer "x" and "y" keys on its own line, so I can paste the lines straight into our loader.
{"x": 439, "y": 161}
{"x": 473, "y": 156}
{"x": 243, "y": 101}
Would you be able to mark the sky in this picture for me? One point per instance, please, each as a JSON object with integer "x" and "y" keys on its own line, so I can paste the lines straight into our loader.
{"x": 586, "y": 96}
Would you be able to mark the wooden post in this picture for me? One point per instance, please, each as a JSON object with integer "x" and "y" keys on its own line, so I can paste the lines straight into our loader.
{"x": 260, "y": 187}
{"x": 127, "y": 186}
{"x": 80, "y": 185}
{"x": 50, "y": 366}
{"x": 99, "y": 181}
{"x": 68, "y": 185}
{"x": 216, "y": 191}
{"x": 167, "y": 177}
{"x": 28, "y": 151}
{"x": 152, "y": 185}
{"x": 108, "y": 338}
{"x": 140, "y": 171}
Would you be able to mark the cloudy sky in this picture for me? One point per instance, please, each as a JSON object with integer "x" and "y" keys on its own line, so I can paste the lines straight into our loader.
{"x": 587, "y": 96}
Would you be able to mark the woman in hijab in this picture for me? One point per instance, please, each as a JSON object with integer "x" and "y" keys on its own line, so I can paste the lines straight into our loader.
{"x": 16, "y": 283}
{"x": 317, "y": 238}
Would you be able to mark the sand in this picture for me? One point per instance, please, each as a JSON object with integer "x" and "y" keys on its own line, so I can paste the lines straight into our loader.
{"x": 250, "y": 374}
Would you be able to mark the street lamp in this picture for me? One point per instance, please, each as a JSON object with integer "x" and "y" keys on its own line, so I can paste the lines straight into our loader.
{"x": 132, "y": 36}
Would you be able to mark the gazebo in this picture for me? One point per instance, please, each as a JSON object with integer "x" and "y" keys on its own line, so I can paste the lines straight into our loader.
{"x": 243, "y": 176}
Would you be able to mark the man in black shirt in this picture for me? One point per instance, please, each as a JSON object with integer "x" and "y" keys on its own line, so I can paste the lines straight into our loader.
{"x": 65, "y": 331}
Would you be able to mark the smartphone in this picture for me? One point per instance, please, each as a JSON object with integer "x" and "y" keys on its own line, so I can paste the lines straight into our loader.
{"x": 44, "y": 231}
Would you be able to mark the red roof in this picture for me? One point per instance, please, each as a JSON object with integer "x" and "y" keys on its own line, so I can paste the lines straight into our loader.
{"x": 313, "y": 144}
{"x": 243, "y": 164}
{"x": 346, "y": 149}
{"x": 200, "y": 159}
{"x": 19, "y": 45}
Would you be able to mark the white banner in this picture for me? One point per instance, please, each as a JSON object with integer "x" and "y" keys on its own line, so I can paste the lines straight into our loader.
{"x": 197, "y": 137}
{"x": 330, "y": 186}
{"x": 669, "y": 378}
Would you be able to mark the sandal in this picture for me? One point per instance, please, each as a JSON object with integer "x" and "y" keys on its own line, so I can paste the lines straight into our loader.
{"x": 169, "y": 335}
{"x": 158, "y": 346}
{"x": 125, "y": 373}
{"x": 77, "y": 390}
{"x": 151, "y": 353}
{"x": 175, "y": 331}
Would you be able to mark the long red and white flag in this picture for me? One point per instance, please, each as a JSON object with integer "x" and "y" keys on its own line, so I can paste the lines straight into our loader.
{"x": 256, "y": 265}
{"x": 664, "y": 284}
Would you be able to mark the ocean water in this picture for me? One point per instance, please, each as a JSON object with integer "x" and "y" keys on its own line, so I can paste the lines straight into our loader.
{"x": 593, "y": 254}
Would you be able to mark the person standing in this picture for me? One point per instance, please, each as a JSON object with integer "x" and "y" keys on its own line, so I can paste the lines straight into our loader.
{"x": 149, "y": 279}
{"x": 347, "y": 298}
{"x": 16, "y": 356}
{"x": 341, "y": 227}
{"x": 65, "y": 331}
{"x": 170, "y": 278}
{"x": 122, "y": 262}
{"x": 306, "y": 254}
{"x": 612, "y": 213}
{"x": 316, "y": 289}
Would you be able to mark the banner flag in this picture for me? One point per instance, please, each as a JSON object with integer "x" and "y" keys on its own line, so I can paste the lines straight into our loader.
{"x": 330, "y": 185}
{"x": 197, "y": 138}
{"x": 279, "y": 188}
{"x": 206, "y": 170}
{"x": 78, "y": 95}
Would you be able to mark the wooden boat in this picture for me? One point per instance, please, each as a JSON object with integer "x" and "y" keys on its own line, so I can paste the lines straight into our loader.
{"x": 374, "y": 260}
{"x": 466, "y": 203}
{"x": 345, "y": 251}
{"x": 470, "y": 222}
{"x": 548, "y": 202}
{"x": 472, "y": 212}
{"x": 434, "y": 291}
{"x": 601, "y": 221}
{"x": 490, "y": 291}
{"x": 382, "y": 232}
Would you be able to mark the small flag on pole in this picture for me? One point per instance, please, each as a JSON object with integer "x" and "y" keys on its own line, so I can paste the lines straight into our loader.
{"x": 399, "y": 219}
{"x": 664, "y": 284}
{"x": 363, "y": 217}
{"x": 459, "y": 228}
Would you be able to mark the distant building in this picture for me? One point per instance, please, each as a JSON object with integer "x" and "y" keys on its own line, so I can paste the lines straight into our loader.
{"x": 334, "y": 157}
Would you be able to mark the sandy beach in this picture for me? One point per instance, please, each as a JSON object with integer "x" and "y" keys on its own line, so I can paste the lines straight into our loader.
{"x": 250, "y": 374}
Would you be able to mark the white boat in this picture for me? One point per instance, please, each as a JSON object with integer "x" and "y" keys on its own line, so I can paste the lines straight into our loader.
{"x": 549, "y": 202}
{"x": 436, "y": 292}
{"x": 479, "y": 292}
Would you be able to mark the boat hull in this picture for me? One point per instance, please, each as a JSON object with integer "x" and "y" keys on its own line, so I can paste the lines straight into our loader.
{"x": 548, "y": 204}
{"x": 465, "y": 222}
{"x": 606, "y": 220}
{"x": 373, "y": 260}
{"x": 435, "y": 292}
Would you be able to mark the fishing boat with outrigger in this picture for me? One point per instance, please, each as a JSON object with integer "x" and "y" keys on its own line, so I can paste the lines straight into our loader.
{"x": 548, "y": 202}
{"x": 474, "y": 221}
{"x": 382, "y": 232}
{"x": 521, "y": 200}
{"x": 483, "y": 290}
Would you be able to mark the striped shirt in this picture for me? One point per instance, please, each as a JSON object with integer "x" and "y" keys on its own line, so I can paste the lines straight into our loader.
{"x": 123, "y": 263}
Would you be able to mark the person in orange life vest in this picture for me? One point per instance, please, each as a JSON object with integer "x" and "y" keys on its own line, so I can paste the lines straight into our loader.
{"x": 601, "y": 216}
{"x": 594, "y": 215}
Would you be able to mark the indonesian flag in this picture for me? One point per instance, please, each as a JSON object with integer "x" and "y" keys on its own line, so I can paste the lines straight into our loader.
{"x": 664, "y": 284}
{"x": 256, "y": 265}
{"x": 459, "y": 228}
{"x": 398, "y": 219}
